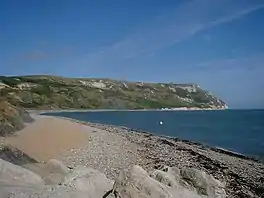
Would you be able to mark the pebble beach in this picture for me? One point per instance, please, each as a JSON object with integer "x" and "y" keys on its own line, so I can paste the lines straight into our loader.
{"x": 111, "y": 149}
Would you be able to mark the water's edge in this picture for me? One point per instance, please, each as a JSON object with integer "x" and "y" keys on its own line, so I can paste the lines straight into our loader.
{"x": 92, "y": 124}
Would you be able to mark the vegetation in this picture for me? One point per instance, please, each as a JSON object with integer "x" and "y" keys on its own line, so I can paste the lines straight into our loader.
{"x": 11, "y": 118}
{"x": 53, "y": 92}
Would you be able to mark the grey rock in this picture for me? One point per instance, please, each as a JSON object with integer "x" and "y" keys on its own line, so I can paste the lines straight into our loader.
{"x": 168, "y": 176}
{"x": 47, "y": 192}
{"x": 191, "y": 179}
{"x": 137, "y": 183}
{"x": 56, "y": 166}
{"x": 204, "y": 184}
{"x": 52, "y": 172}
{"x": 89, "y": 180}
{"x": 55, "y": 171}
{"x": 13, "y": 174}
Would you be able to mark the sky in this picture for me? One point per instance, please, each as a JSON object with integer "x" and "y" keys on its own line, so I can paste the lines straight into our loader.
{"x": 218, "y": 44}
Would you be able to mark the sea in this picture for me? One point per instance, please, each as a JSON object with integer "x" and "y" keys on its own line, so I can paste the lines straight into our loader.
{"x": 240, "y": 131}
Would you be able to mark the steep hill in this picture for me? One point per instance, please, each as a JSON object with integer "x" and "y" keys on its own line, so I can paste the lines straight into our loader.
{"x": 53, "y": 92}
{"x": 11, "y": 118}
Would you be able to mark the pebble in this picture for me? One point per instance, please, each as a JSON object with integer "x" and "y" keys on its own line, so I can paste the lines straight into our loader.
{"x": 112, "y": 149}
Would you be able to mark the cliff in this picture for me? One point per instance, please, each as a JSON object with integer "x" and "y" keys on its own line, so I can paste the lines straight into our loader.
{"x": 53, "y": 92}
{"x": 11, "y": 118}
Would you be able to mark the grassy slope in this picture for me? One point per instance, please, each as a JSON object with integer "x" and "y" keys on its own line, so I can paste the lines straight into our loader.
{"x": 46, "y": 92}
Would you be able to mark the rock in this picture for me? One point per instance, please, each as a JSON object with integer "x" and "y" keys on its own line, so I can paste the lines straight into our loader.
{"x": 203, "y": 183}
{"x": 56, "y": 166}
{"x": 13, "y": 174}
{"x": 14, "y": 155}
{"x": 137, "y": 183}
{"x": 47, "y": 192}
{"x": 85, "y": 182}
{"x": 12, "y": 118}
{"x": 89, "y": 180}
{"x": 168, "y": 176}
{"x": 52, "y": 172}
{"x": 53, "y": 178}
{"x": 191, "y": 179}
{"x": 81, "y": 182}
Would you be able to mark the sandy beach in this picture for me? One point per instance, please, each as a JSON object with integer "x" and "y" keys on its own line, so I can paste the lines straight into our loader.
{"x": 111, "y": 149}
{"x": 47, "y": 137}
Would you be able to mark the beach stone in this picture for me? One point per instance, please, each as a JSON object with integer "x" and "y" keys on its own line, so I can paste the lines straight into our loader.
{"x": 137, "y": 183}
{"x": 56, "y": 166}
{"x": 168, "y": 176}
{"x": 192, "y": 179}
{"x": 52, "y": 172}
{"x": 13, "y": 174}
{"x": 47, "y": 192}
{"x": 89, "y": 180}
{"x": 56, "y": 171}
{"x": 203, "y": 183}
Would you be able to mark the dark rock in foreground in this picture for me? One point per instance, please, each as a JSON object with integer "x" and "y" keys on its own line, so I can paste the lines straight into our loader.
{"x": 15, "y": 156}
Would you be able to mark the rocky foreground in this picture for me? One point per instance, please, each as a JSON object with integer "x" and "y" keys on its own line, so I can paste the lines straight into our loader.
{"x": 56, "y": 180}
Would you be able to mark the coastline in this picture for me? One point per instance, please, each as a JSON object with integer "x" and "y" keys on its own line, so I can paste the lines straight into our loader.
{"x": 34, "y": 111}
{"x": 242, "y": 174}
{"x": 110, "y": 149}
{"x": 217, "y": 149}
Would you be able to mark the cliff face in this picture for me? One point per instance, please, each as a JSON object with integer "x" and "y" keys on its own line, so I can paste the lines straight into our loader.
{"x": 11, "y": 118}
{"x": 52, "y": 92}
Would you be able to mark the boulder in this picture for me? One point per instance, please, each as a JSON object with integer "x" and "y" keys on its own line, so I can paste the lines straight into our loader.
{"x": 13, "y": 174}
{"x": 52, "y": 172}
{"x": 203, "y": 183}
{"x": 137, "y": 183}
{"x": 89, "y": 180}
{"x": 192, "y": 179}
{"x": 48, "y": 191}
{"x": 168, "y": 176}
{"x": 169, "y": 182}
{"x": 56, "y": 166}
{"x": 55, "y": 171}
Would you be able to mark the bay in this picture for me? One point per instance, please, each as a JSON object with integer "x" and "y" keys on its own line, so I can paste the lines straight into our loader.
{"x": 240, "y": 131}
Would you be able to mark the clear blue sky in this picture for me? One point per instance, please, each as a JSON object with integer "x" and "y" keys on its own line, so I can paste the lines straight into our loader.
{"x": 218, "y": 44}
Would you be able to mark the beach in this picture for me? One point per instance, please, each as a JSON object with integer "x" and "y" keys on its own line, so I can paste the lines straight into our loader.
{"x": 111, "y": 149}
{"x": 47, "y": 137}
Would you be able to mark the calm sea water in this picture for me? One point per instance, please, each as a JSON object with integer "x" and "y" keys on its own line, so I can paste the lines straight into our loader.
{"x": 237, "y": 130}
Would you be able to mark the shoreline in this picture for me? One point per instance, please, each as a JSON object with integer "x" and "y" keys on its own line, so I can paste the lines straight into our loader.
{"x": 111, "y": 149}
{"x": 111, "y": 110}
{"x": 242, "y": 174}
{"x": 214, "y": 148}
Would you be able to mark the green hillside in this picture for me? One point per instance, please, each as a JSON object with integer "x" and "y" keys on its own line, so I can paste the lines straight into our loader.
{"x": 53, "y": 92}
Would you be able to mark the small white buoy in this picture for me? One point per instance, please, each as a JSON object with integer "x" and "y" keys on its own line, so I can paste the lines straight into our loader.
{"x": 160, "y": 122}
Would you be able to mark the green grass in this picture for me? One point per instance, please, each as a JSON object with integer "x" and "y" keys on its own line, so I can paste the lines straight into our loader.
{"x": 63, "y": 93}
